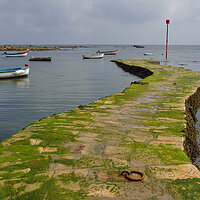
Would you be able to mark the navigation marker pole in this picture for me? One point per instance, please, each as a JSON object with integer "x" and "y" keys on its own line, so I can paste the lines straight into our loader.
{"x": 167, "y": 22}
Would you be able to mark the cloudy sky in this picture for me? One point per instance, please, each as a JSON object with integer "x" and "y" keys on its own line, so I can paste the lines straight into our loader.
{"x": 99, "y": 21}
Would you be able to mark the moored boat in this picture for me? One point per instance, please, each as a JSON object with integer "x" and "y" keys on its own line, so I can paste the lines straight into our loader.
{"x": 148, "y": 54}
{"x": 94, "y": 56}
{"x": 138, "y": 46}
{"x": 40, "y": 59}
{"x": 111, "y": 52}
{"x": 18, "y": 54}
{"x": 14, "y": 72}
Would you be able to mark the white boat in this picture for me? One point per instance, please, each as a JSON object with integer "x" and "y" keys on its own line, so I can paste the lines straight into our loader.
{"x": 94, "y": 56}
{"x": 149, "y": 54}
{"x": 18, "y": 54}
{"x": 14, "y": 72}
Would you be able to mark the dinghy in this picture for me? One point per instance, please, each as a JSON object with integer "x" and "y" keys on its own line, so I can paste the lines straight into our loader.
{"x": 19, "y": 54}
{"x": 111, "y": 52}
{"x": 14, "y": 72}
{"x": 94, "y": 56}
{"x": 40, "y": 59}
{"x": 148, "y": 54}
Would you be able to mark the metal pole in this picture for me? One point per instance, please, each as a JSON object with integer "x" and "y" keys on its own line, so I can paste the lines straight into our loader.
{"x": 167, "y": 42}
{"x": 167, "y": 22}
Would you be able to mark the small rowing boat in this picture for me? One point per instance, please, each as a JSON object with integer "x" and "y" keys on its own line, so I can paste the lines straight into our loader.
{"x": 148, "y": 54}
{"x": 40, "y": 59}
{"x": 112, "y": 52}
{"x": 94, "y": 56}
{"x": 14, "y": 72}
{"x": 18, "y": 54}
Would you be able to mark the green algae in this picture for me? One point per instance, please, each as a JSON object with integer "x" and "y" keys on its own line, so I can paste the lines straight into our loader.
{"x": 165, "y": 153}
{"x": 184, "y": 189}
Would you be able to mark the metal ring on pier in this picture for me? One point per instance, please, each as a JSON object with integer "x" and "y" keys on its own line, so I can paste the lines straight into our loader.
{"x": 126, "y": 174}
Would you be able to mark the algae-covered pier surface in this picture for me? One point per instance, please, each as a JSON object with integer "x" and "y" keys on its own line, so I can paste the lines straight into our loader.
{"x": 80, "y": 153}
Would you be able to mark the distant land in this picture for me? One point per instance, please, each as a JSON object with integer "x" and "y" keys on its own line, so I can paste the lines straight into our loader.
{"x": 50, "y": 47}
{"x": 41, "y": 47}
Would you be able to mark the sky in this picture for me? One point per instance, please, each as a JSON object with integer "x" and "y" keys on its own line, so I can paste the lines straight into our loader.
{"x": 99, "y": 22}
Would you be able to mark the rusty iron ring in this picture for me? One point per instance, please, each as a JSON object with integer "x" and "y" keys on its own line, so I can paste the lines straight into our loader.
{"x": 126, "y": 174}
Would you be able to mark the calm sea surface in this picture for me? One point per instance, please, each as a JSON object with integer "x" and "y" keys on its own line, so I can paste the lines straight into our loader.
{"x": 69, "y": 81}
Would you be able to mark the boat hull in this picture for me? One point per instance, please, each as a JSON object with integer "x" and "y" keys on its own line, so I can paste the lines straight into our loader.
{"x": 94, "y": 56}
{"x": 14, "y": 72}
{"x": 20, "y": 54}
{"x": 113, "y": 52}
{"x": 40, "y": 59}
{"x": 148, "y": 54}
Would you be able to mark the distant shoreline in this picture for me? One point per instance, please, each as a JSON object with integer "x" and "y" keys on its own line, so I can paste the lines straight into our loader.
{"x": 41, "y": 47}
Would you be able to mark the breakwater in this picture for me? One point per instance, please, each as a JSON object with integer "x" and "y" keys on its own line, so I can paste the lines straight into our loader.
{"x": 192, "y": 104}
{"x": 136, "y": 70}
{"x": 81, "y": 153}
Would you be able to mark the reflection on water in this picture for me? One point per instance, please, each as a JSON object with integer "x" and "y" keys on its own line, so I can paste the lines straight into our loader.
{"x": 15, "y": 82}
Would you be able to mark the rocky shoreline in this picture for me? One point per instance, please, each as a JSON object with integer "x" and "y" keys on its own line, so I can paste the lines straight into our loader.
{"x": 41, "y": 47}
{"x": 191, "y": 146}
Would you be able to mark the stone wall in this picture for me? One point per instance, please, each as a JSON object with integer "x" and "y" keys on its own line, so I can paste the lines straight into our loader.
{"x": 192, "y": 104}
{"x": 136, "y": 70}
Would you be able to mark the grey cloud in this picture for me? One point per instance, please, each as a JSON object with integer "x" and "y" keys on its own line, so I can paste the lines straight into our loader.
{"x": 89, "y": 20}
